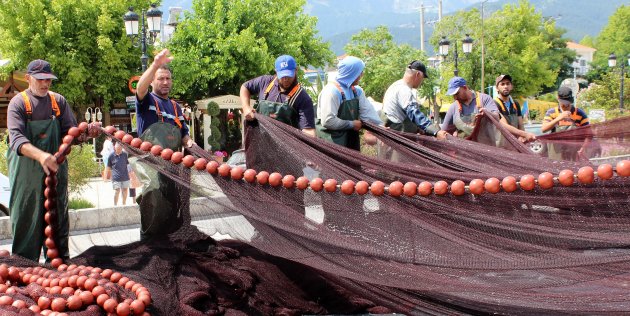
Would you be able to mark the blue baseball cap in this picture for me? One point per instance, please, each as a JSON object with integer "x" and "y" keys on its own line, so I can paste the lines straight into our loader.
{"x": 454, "y": 84}
{"x": 285, "y": 66}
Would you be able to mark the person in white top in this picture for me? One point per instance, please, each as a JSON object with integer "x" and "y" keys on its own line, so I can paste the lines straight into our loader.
{"x": 400, "y": 104}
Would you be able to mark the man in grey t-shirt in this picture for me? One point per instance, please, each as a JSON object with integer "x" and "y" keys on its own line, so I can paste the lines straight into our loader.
{"x": 400, "y": 104}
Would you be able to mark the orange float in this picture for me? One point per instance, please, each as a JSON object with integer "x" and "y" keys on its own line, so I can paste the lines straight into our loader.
{"x": 476, "y": 186}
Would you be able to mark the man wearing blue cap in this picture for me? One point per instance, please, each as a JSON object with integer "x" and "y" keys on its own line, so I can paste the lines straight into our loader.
{"x": 342, "y": 106}
{"x": 467, "y": 106}
{"x": 37, "y": 120}
{"x": 280, "y": 97}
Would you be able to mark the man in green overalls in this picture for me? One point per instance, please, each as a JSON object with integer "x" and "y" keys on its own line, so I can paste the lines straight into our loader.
{"x": 511, "y": 114}
{"x": 164, "y": 204}
{"x": 342, "y": 105}
{"x": 37, "y": 120}
{"x": 280, "y": 97}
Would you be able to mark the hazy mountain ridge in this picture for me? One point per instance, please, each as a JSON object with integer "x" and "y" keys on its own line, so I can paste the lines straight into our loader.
{"x": 338, "y": 20}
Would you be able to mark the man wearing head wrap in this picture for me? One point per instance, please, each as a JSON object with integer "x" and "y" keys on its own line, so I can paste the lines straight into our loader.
{"x": 342, "y": 105}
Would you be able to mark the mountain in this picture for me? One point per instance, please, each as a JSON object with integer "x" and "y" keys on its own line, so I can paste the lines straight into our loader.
{"x": 338, "y": 20}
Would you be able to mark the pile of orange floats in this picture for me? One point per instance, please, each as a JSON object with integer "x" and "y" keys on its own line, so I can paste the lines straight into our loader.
{"x": 71, "y": 288}
{"x": 545, "y": 180}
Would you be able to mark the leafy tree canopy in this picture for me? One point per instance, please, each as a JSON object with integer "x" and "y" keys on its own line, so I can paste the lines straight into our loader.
{"x": 84, "y": 41}
{"x": 223, "y": 43}
{"x": 614, "y": 38}
{"x": 385, "y": 61}
{"x": 534, "y": 55}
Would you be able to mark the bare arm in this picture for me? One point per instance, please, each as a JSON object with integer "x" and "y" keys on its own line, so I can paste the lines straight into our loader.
{"x": 309, "y": 131}
{"x": 546, "y": 126}
{"x": 160, "y": 59}
{"x": 245, "y": 95}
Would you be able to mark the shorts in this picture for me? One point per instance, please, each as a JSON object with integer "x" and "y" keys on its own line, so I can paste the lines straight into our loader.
{"x": 120, "y": 184}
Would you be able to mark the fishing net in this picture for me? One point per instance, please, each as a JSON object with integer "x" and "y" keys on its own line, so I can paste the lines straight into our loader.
{"x": 538, "y": 236}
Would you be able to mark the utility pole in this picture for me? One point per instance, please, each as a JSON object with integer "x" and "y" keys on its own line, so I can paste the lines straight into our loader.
{"x": 439, "y": 10}
{"x": 483, "y": 49}
{"x": 422, "y": 26}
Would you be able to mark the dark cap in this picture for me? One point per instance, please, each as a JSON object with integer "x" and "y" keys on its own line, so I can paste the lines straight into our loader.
{"x": 417, "y": 65}
{"x": 501, "y": 78}
{"x": 40, "y": 69}
{"x": 565, "y": 93}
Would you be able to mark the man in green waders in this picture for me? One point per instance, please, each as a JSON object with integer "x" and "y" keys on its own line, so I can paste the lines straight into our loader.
{"x": 511, "y": 114}
{"x": 37, "y": 120}
{"x": 163, "y": 203}
{"x": 342, "y": 105}
{"x": 280, "y": 97}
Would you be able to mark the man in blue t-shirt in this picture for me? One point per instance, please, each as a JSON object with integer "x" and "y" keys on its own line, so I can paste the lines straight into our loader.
{"x": 117, "y": 168}
{"x": 280, "y": 97}
{"x": 164, "y": 203}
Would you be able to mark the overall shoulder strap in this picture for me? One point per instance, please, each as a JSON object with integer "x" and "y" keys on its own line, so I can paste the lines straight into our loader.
{"x": 27, "y": 105}
{"x": 176, "y": 119}
{"x": 343, "y": 95}
{"x": 55, "y": 106}
{"x": 269, "y": 87}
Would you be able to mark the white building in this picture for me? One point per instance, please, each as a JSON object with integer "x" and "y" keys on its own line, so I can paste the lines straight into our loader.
{"x": 584, "y": 58}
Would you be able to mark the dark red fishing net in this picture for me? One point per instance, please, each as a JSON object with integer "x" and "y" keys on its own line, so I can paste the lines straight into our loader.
{"x": 562, "y": 250}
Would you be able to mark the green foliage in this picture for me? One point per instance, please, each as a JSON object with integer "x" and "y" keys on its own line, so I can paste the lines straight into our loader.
{"x": 604, "y": 94}
{"x": 614, "y": 38}
{"x": 534, "y": 55}
{"x": 385, "y": 61}
{"x": 215, "y": 122}
{"x": 76, "y": 204}
{"x": 223, "y": 43}
{"x": 4, "y": 147}
{"x": 81, "y": 167}
{"x": 84, "y": 41}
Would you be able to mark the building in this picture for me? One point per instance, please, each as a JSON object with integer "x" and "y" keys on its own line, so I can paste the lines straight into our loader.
{"x": 583, "y": 60}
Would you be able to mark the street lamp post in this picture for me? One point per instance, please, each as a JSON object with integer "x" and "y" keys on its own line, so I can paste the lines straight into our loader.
{"x": 612, "y": 62}
{"x": 466, "y": 47}
{"x": 154, "y": 21}
{"x": 95, "y": 115}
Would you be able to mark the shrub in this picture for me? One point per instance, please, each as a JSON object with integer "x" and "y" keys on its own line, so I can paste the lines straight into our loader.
{"x": 76, "y": 204}
{"x": 81, "y": 167}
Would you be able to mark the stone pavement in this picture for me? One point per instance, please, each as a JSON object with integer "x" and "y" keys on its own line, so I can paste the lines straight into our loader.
{"x": 101, "y": 194}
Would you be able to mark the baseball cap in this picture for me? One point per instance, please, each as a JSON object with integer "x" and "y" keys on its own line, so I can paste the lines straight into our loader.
{"x": 565, "y": 93}
{"x": 416, "y": 65}
{"x": 454, "y": 84}
{"x": 501, "y": 78}
{"x": 285, "y": 66}
{"x": 40, "y": 69}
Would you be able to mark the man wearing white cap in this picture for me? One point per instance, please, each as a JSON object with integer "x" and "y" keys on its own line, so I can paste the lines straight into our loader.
{"x": 280, "y": 97}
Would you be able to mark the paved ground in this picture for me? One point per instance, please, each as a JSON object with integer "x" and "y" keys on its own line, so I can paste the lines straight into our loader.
{"x": 101, "y": 193}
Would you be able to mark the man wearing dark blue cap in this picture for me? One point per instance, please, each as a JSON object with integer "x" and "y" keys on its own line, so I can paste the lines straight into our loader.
{"x": 468, "y": 104}
{"x": 280, "y": 97}
{"x": 37, "y": 119}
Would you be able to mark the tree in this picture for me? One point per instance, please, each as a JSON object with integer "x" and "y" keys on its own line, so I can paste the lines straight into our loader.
{"x": 604, "y": 94}
{"x": 83, "y": 40}
{"x": 534, "y": 56}
{"x": 385, "y": 61}
{"x": 614, "y": 38}
{"x": 223, "y": 43}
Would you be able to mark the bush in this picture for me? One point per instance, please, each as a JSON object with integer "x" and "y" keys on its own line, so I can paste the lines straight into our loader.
{"x": 76, "y": 204}
{"x": 4, "y": 147}
{"x": 81, "y": 167}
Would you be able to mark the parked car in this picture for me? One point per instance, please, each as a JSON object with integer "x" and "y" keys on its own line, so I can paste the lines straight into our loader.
{"x": 5, "y": 194}
{"x": 237, "y": 159}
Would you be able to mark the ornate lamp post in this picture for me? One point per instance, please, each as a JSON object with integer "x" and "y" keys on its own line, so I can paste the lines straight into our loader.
{"x": 612, "y": 62}
{"x": 93, "y": 115}
{"x": 153, "y": 23}
{"x": 444, "y": 47}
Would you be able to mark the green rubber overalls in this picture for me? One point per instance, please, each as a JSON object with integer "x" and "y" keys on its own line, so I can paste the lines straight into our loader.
{"x": 510, "y": 114}
{"x": 465, "y": 124}
{"x": 348, "y": 110}
{"x": 26, "y": 177}
{"x": 162, "y": 201}
{"x": 283, "y": 112}
{"x": 558, "y": 151}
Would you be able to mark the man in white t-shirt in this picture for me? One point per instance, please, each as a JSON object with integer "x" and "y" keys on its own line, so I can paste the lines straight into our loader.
{"x": 400, "y": 104}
